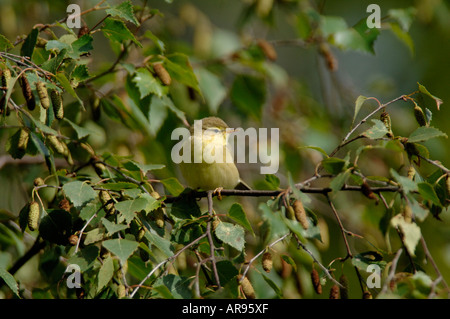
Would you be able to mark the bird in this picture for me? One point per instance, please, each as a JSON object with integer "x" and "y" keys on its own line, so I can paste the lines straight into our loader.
{"x": 208, "y": 174}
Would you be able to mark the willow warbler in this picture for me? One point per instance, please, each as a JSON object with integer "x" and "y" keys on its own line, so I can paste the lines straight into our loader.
{"x": 211, "y": 166}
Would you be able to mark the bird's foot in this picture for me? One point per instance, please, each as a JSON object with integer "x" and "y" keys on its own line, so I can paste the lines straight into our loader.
{"x": 217, "y": 192}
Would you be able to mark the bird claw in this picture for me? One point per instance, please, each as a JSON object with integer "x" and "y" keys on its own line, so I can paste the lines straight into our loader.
{"x": 217, "y": 191}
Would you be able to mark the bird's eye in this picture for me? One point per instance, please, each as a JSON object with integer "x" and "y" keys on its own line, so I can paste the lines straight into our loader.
{"x": 215, "y": 130}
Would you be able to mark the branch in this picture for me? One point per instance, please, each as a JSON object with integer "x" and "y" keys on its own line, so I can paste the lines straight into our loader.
{"x": 391, "y": 271}
{"x": 210, "y": 239}
{"x": 164, "y": 262}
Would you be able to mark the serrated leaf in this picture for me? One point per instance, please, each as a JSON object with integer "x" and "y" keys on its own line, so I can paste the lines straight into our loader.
{"x": 116, "y": 31}
{"x": 112, "y": 227}
{"x": 411, "y": 232}
{"x": 159, "y": 44}
{"x": 79, "y": 74}
{"x": 123, "y": 10}
{"x": 122, "y": 248}
{"x": 237, "y": 214}
{"x": 363, "y": 260}
{"x": 232, "y": 235}
{"x": 79, "y": 193}
{"x": 144, "y": 168}
{"x": 164, "y": 245}
{"x": 105, "y": 274}
{"x": 338, "y": 182}
{"x": 94, "y": 236}
{"x": 379, "y": 130}
{"x": 272, "y": 181}
{"x": 85, "y": 258}
{"x": 424, "y": 90}
{"x": 424, "y": 133}
{"x": 407, "y": 184}
{"x": 226, "y": 270}
{"x": 148, "y": 84}
{"x": 128, "y": 208}
{"x": 180, "y": 69}
{"x": 80, "y": 46}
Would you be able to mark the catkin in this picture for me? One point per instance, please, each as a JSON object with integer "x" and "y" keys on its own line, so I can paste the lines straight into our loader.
{"x": 300, "y": 214}
{"x": 367, "y": 190}
{"x": 33, "y": 216}
{"x": 247, "y": 287}
{"x": 268, "y": 50}
{"x": 334, "y": 292}
{"x": 24, "y": 136}
{"x": 344, "y": 289}
{"x": 267, "y": 262}
{"x": 27, "y": 93}
{"x": 386, "y": 119}
{"x": 6, "y": 76}
{"x": 58, "y": 108}
{"x": 159, "y": 217}
{"x": 43, "y": 94}
{"x": 419, "y": 115}
{"x": 315, "y": 279}
{"x": 162, "y": 73}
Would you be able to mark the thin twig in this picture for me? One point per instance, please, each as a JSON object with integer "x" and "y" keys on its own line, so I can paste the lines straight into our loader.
{"x": 341, "y": 226}
{"x": 164, "y": 262}
{"x": 391, "y": 271}
{"x": 210, "y": 239}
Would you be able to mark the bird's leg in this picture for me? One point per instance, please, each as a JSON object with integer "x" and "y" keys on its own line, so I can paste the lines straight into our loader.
{"x": 217, "y": 191}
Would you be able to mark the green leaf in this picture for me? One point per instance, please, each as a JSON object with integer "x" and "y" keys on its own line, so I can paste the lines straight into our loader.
{"x": 94, "y": 236}
{"x": 180, "y": 69}
{"x": 185, "y": 207}
{"x": 128, "y": 208}
{"x": 5, "y": 44}
{"x": 79, "y": 193}
{"x": 56, "y": 227}
{"x": 369, "y": 35}
{"x": 79, "y": 74}
{"x": 424, "y": 90}
{"x": 276, "y": 224}
{"x": 272, "y": 181}
{"x": 248, "y": 93}
{"x": 173, "y": 186}
{"x": 273, "y": 285}
{"x": 212, "y": 88}
{"x": 379, "y": 130}
{"x": 178, "y": 286}
{"x": 403, "y": 36}
{"x": 358, "y": 104}
{"x": 407, "y": 184}
{"x": 316, "y": 148}
{"x": 29, "y": 43}
{"x": 122, "y": 248}
{"x": 123, "y": 10}
{"x": 427, "y": 192}
{"x": 148, "y": 84}
{"x": 350, "y": 39}
{"x": 10, "y": 281}
{"x": 363, "y": 260}
{"x": 68, "y": 87}
{"x": 411, "y": 232}
{"x": 290, "y": 261}
{"x": 80, "y": 46}
{"x": 330, "y": 25}
{"x": 338, "y": 182}
{"x": 237, "y": 214}
{"x": 111, "y": 227}
{"x": 144, "y": 168}
{"x": 159, "y": 44}
{"x": 85, "y": 258}
{"x": 119, "y": 186}
{"x": 334, "y": 165}
{"x": 116, "y": 31}
{"x": 424, "y": 133}
{"x": 226, "y": 270}
{"x": 105, "y": 274}
{"x": 164, "y": 245}
{"x": 80, "y": 131}
{"x": 404, "y": 17}
{"x": 232, "y": 235}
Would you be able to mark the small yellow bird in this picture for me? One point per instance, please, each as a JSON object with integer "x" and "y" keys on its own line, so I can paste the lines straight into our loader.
{"x": 208, "y": 174}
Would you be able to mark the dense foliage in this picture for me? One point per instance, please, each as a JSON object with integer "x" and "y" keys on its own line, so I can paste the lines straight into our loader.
{"x": 93, "y": 197}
